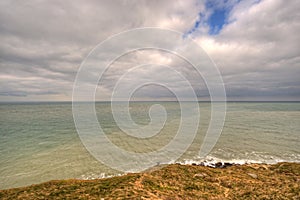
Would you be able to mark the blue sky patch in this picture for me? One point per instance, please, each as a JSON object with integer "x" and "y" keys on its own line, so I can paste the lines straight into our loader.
{"x": 196, "y": 26}
{"x": 217, "y": 20}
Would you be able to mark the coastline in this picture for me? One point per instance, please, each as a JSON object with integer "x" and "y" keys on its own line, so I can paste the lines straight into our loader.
{"x": 177, "y": 181}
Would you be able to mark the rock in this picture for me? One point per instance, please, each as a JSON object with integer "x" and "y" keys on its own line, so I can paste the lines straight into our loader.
{"x": 266, "y": 167}
{"x": 201, "y": 175}
{"x": 228, "y": 164}
{"x": 219, "y": 165}
{"x": 252, "y": 175}
{"x": 216, "y": 165}
{"x": 259, "y": 166}
{"x": 222, "y": 165}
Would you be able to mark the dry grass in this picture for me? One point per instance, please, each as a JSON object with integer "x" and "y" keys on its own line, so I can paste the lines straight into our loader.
{"x": 255, "y": 181}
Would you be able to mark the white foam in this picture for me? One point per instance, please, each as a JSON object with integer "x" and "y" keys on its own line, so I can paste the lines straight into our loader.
{"x": 211, "y": 161}
{"x": 98, "y": 176}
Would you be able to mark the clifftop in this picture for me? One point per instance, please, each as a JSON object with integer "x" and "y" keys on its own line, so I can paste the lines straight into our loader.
{"x": 252, "y": 181}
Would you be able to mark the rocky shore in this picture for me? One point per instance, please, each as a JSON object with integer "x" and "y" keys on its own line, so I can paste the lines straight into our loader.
{"x": 222, "y": 181}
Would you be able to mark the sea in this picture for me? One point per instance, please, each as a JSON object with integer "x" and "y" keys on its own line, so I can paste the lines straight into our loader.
{"x": 39, "y": 140}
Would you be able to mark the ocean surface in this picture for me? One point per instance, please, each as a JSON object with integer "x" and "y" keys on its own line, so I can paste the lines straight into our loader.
{"x": 39, "y": 141}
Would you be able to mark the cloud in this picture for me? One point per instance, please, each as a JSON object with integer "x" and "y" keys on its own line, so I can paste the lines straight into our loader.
{"x": 44, "y": 42}
{"x": 258, "y": 51}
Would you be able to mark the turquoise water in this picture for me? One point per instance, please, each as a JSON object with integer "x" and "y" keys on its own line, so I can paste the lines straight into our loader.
{"x": 39, "y": 142}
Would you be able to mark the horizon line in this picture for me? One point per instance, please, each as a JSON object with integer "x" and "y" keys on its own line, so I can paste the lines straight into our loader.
{"x": 204, "y": 101}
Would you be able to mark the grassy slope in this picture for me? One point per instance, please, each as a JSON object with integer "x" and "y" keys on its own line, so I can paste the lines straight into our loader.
{"x": 280, "y": 181}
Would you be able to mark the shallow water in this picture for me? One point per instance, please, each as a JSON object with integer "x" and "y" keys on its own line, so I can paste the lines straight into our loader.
{"x": 39, "y": 142}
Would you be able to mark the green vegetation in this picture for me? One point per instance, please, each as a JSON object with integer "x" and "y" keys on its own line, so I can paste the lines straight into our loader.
{"x": 255, "y": 181}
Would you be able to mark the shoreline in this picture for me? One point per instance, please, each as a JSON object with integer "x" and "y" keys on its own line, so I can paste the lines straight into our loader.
{"x": 177, "y": 181}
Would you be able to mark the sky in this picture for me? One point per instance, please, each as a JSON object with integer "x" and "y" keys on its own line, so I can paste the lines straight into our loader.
{"x": 255, "y": 45}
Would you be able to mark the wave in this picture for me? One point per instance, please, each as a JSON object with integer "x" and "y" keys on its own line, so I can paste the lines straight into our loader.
{"x": 211, "y": 161}
{"x": 99, "y": 176}
{"x": 216, "y": 162}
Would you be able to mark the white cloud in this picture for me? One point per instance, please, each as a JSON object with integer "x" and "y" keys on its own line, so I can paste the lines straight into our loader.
{"x": 259, "y": 49}
{"x": 258, "y": 52}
